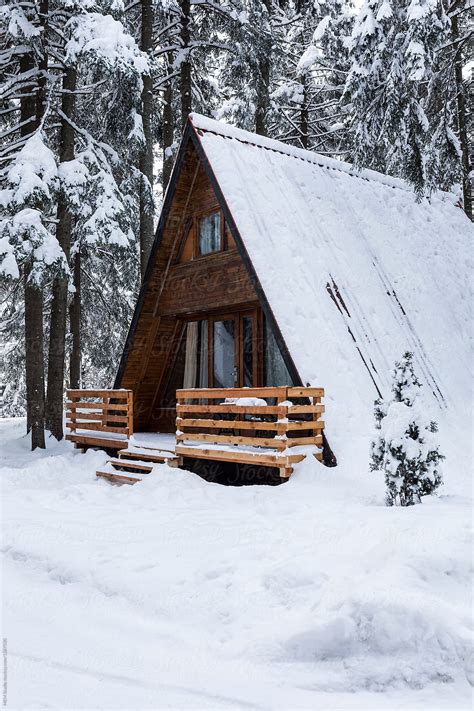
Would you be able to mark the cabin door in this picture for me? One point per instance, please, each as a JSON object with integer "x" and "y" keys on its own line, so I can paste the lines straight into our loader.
{"x": 233, "y": 362}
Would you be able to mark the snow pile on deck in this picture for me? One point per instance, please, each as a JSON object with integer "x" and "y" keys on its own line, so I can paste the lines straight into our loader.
{"x": 356, "y": 273}
{"x": 177, "y": 593}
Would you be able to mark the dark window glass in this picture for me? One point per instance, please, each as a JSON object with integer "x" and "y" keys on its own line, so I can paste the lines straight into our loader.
{"x": 224, "y": 354}
{"x": 176, "y": 375}
{"x": 210, "y": 233}
{"x": 248, "y": 351}
{"x": 276, "y": 372}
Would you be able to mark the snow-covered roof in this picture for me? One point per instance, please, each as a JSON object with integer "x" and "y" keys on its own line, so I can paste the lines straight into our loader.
{"x": 355, "y": 270}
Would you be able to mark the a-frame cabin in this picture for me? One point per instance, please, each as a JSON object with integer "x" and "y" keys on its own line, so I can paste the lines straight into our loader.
{"x": 275, "y": 266}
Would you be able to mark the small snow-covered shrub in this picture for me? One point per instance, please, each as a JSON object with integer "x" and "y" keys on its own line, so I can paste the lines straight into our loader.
{"x": 405, "y": 448}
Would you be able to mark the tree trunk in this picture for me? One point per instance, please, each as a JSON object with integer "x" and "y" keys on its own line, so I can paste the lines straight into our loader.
{"x": 75, "y": 326}
{"x": 185, "y": 69}
{"x": 33, "y": 109}
{"x": 462, "y": 124}
{"x": 264, "y": 67}
{"x": 34, "y": 359}
{"x": 57, "y": 334}
{"x": 168, "y": 131}
{"x": 28, "y": 118}
{"x": 146, "y": 156}
{"x": 304, "y": 116}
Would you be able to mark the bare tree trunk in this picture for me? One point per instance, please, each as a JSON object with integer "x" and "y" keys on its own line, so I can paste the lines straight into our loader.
{"x": 185, "y": 69}
{"x": 146, "y": 156}
{"x": 34, "y": 355}
{"x": 304, "y": 115}
{"x": 57, "y": 334}
{"x": 28, "y": 119}
{"x": 263, "y": 94}
{"x": 168, "y": 131}
{"x": 75, "y": 326}
{"x": 32, "y": 110}
{"x": 462, "y": 124}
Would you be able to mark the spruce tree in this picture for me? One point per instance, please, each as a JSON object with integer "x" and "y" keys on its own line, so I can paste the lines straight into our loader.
{"x": 402, "y": 124}
{"x": 67, "y": 63}
{"x": 405, "y": 448}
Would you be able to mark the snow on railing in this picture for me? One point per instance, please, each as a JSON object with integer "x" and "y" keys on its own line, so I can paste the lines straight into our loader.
{"x": 245, "y": 417}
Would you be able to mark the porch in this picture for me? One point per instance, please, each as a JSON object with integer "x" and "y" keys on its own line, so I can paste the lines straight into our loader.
{"x": 261, "y": 428}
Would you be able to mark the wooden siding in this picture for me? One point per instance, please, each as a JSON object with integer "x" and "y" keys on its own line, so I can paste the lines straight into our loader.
{"x": 218, "y": 281}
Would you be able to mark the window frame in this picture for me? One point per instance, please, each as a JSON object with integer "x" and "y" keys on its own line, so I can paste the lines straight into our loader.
{"x": 223, "y": 246}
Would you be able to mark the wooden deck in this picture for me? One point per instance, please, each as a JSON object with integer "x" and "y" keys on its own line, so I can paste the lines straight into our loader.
{"x": 258, "y": 426}
{"x": 274, "y": 427}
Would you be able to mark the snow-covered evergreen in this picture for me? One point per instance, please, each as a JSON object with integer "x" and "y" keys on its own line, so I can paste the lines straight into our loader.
{"x": 405, "y": 448}
{"x": 402, "y": 122}
{"x": 65, "y": 161}
{"x": 308, "y": 91}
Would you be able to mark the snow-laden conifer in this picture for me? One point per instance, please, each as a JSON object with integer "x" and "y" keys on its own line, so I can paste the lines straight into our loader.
{"x": 403, "y": 115}
{"x": 405, "y": 448}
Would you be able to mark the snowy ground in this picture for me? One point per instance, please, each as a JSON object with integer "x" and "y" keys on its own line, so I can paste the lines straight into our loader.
{"x": 180, "y": 594}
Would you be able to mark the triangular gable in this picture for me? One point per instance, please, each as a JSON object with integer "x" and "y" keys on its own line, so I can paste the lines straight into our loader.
{"x": 139, "y": 365}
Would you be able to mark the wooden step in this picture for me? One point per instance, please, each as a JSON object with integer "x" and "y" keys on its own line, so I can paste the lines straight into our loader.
{"x": 117, "y": 478}
{"x": 96, "y": 441}
{"x": 149, "y": 456}
{"x": 131, "y": 464}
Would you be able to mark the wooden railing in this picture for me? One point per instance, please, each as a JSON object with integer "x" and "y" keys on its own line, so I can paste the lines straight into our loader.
{"x": 287, "y": 417}
{"x": 101, "y": 411}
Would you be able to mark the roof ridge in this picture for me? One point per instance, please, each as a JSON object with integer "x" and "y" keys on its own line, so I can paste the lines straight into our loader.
{"x": 225, "y": 130}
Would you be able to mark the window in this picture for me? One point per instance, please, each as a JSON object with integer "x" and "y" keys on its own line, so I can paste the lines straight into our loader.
{"x": 225, "y": 371}
{"x": 209, "y": 234}
{"x": 276, "y": 372}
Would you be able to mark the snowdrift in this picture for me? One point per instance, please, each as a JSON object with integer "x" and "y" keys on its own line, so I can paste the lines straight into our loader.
{"x": 178, "y": 593}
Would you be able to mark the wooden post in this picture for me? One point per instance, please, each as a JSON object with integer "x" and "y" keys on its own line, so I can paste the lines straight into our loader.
{"x": 130, "y": 413}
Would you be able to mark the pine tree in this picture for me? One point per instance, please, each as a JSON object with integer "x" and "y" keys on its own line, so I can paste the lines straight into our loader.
{"x": 405, "y": 447}
{"x": 456, "y": 86}
{"x": 308, "y": 92}
{"x": 61, "y": 187}
{"x": 29, "y": 176}
{"x": 401, "y": 125}
{"x": 256, "y": 33}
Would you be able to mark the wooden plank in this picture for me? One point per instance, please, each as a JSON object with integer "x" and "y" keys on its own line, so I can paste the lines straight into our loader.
{"x": 294, "y": 458}
{"x": 231, "y": 439}
{"x": 74, "y": 424}
{"x": 101, "y": 428}
{"x": 304, "y": 392}
{"x": 238, "y": 456}
{"x": 296, "y": 441}
{"x": 97, "y": 441}
{"x": 310, "y": 425}
{"x": 118, "y": 394}
{"x": 305, "y": 409}
{"x": 226, "y": 456}
{"x": 96, "y": 417}
{"x": 130, "y": 464}
{"x": 158, "y": 458}
{"x": 318, "y": 456}
{"x": 239, "y": 410}
{"x": 130, "y": 412}
{"x": 102, "y": 406}
{"x": 117, "y": 478}
{"x": 215, "y": 393}
{"x": 235, "y": 424}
